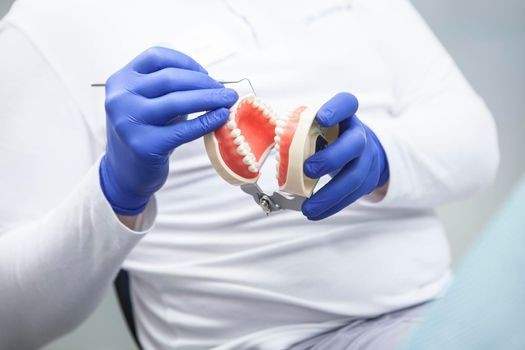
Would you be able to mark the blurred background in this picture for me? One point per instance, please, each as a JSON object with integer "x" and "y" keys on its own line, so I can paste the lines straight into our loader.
{"x": 487, "y": 40}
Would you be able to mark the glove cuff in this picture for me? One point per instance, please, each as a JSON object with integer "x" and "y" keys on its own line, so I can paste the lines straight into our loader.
{"x": 114, "y": 196}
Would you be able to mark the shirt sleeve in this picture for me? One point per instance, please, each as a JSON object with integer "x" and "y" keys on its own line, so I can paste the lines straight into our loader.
{"x": 441, "y": 142}
{"x": 61, "y": 245}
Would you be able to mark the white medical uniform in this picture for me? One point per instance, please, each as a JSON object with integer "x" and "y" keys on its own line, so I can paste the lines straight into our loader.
{"x": 214, "y": 271}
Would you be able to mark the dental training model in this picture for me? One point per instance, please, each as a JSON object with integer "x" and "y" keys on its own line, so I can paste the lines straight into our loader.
{"x": 239, "y": 148}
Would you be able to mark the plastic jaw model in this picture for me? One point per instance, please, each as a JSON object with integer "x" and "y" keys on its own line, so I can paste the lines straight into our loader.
{"x": 239, "y": 148}
{"x": 297, "y": 137}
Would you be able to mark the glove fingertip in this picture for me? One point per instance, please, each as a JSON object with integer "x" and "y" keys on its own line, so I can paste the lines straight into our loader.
{"x": 223, "y": 113}
{"x": 306, "y": 211}
{"x": 324, "y": 117}
{"x": 231, "y": 96}
{"x": 309, "y": 210}
{"x": 311, "y": 216}
{"x": 309, "y": 170}
{"x": 217, "y": 118}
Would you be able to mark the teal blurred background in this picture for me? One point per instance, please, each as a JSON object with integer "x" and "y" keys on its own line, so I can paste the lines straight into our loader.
{"x": 487, "y": 40}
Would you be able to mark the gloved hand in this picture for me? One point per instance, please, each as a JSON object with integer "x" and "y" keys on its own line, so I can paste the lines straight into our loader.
{"x": 146, "y": 107}
{"x": 357, "y": 158}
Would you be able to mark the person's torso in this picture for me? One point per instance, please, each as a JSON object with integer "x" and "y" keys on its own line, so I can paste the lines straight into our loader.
{"x": 216, "y": 270}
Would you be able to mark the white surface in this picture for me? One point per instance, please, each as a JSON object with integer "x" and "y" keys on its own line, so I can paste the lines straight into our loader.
{"x": 54, "y": 270}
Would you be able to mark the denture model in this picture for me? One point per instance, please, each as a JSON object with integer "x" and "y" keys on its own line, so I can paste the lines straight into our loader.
{"x": 239, "y": 148}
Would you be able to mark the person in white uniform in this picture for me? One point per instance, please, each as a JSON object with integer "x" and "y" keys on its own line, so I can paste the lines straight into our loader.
{"x": 207, "y": 269}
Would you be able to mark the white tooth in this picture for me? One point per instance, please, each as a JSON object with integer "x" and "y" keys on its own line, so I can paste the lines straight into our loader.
{"x": 279, "y": 130}
{"x": 244, "y": 145}
{"x": 280, "y": 122}
{"x": 231, "y": 124}
{"x": 243, "y": 150}
{"x": 235, "y": 132}
{"x": 253, "y": 168}
{"x": 247, "y": 160}
{"x": 250, "y": 159}
{"x": 277, "y": 138}
{"x": 239, "y": 140}
{"x": 272, "y": 121}
{"x": 277, "y": 147}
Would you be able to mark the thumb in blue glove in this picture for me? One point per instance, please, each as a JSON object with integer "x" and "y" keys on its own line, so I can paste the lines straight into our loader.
{"x": 146, "y": 106}
{"x": 357, "y": 158}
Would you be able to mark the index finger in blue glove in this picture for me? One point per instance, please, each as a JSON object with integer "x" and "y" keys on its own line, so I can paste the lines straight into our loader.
{"x": 346, "y": 181}
{"x": 340, "y": 107}
{"x": 172, "y": 136}
{"x": 169, "y": 80}
{"x": 162, "y": 110}
{"x": 347, "y": 147}
{"x": 157, "y": 58}
{"x": 367, "y": 186}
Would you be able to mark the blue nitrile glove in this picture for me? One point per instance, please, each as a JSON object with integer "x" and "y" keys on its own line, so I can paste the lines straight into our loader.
{"x": 146, "y": 106}
{"x": 357, "y": 156}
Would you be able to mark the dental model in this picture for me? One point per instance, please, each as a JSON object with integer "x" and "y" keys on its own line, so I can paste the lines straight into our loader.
{"x": 239, "y": 148}
{"x": 297, "y": 137}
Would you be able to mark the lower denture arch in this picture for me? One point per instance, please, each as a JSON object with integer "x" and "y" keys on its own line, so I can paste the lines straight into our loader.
{"x": 284, "y": 134}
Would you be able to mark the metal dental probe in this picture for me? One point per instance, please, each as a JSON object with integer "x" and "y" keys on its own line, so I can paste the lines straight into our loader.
{"x": 224, "y": 82}
{"x": 238, "y": 81}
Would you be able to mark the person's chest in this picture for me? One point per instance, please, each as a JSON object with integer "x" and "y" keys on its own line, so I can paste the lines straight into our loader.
{"x": 301, "y": 53}
{"x": 293, "y": 52}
